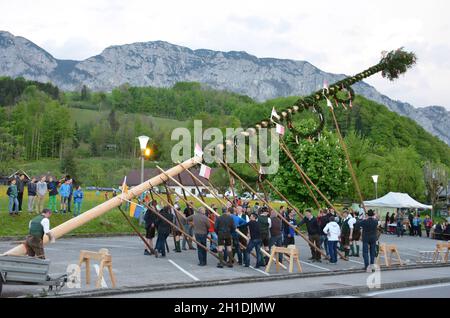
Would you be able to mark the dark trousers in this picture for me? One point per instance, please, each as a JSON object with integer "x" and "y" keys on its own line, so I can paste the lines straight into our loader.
{"x": 20, "y": 199}
{"x": 332, "y": 249}
{"x": 201, "y": 238}
{"x": 427, "y": 229}
{"x": 399, "y": 229}
{"x": 69, "y": 203}
{"x": 253, "y": 244}
{"x": 276, "y": 241}
{"x": 161, "y": 243}
{"x": 315, "y": 254}
{"x": 369, "y": 248}
{"x": 324, "y": 241}
{"x": 237, "y": 248}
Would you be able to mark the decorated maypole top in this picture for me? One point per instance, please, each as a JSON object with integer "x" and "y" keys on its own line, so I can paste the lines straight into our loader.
{"x": 391, "y": 66}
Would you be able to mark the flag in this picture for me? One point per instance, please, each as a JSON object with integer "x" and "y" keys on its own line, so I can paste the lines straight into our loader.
{"x": 132, "y": 209}
{"x": 198, "y": 151}
{"x": 137, "y": 212}
{"x": 124, "y": 185}
{"x": 274, "y": 114}
{"x": 329, "y": 104}
{"x": 280, "y": 129}
{"x": 261, "y": 170}
{"x": 205, "y": 172}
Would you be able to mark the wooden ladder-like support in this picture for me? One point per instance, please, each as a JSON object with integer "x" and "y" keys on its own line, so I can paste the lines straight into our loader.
{"x": 293, "y": 253}
{"x": 386, "y": 249}
{"x": 105, "y": 261}
{"x": 442, "y": 250}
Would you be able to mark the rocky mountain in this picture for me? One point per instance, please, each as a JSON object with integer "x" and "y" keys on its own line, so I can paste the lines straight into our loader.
{"x": 162, "y": 64}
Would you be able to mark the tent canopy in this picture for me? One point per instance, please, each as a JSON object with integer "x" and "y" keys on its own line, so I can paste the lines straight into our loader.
{"x": 397, "y": 200}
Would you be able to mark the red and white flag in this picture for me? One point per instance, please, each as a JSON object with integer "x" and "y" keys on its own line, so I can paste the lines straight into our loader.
{"x": 205, "y": 172}
{"x": 280, "y": 129}
{"x": 198, "y": 151}
{"x": 329, "y": 103}
{"x": 274, "y": 114}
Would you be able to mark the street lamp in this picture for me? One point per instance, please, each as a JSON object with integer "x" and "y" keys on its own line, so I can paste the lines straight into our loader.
{"x": 143, "y": 140}
{"x": 375, "y": 180}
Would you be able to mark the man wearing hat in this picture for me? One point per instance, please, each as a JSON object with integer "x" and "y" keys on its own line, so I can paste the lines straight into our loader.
{"x": 369, "y": 238}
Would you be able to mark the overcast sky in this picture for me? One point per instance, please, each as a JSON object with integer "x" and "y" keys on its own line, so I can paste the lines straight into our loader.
{"x": 337, "y": 36}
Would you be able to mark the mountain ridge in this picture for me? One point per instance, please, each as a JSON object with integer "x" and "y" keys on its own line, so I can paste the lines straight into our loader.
{"x": 162, "y": 64}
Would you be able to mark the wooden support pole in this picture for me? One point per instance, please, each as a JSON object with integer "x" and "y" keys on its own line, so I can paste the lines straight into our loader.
{"x": 103, "y": 208}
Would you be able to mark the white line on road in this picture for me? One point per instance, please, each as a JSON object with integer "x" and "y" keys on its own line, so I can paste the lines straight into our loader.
{"x": 183, "y": 270}
{"x": 322, "y": 268}
{"x": 97, "y": 270}
{"x": 357, "y": 262}
{"x": 258, "y": 270}
{"x": 406, "y": 289}
{"x": 100, "y": 245}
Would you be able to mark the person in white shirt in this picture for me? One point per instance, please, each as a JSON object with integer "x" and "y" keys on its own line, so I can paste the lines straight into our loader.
{"x": 347, "y": 232}
{"x": 333, "y": 231}
{"x": 38, "y": 228}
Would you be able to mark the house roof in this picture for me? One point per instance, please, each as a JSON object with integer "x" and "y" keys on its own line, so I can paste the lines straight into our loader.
{"x": 134, "y": 177}
{"x": 19, "y": 172}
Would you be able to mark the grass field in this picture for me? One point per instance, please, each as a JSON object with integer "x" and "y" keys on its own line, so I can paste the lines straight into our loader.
{"x": 110, "y": 223}
{"x": 86, "y": 116}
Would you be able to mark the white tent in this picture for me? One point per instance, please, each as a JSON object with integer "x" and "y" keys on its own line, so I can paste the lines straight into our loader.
{"x": 397, "y": 200}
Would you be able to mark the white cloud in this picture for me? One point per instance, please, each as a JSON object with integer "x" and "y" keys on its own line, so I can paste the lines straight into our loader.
{"x": 336, "y": 36}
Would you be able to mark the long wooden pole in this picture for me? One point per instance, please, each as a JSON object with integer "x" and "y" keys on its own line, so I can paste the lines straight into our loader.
{"x": 103, "y": 208}
{"x": 217, "y": 214}
{"x": 273, "y": 209}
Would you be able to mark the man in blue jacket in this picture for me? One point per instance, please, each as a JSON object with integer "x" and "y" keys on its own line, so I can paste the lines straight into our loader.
{"x": 238, "y": 222}
{"x": 64, "y": 191}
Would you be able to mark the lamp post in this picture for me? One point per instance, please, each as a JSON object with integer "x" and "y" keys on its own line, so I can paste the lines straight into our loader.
{"x": 143, "y": 140}
{"x": 375, "y": 180}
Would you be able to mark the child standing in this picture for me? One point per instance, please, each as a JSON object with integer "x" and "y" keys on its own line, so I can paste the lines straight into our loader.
{"x": 64, "y": 191}
{"x": 52, "y": 193}
{"x": 13, "y": 201}
{"x": 78, "y": 196}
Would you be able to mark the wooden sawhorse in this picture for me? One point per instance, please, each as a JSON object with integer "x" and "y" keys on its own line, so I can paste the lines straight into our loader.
{"x": 293, "y": 253}
{"x": 442, "y": 249}
{"x": 105, "y": 261}
{"x": 391, "y": 249}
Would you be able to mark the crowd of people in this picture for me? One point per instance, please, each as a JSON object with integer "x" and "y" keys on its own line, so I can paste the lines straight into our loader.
{"x": 398, "y": 223}
{"x": 241, "y": 229}
{"x": 38, "y": 189}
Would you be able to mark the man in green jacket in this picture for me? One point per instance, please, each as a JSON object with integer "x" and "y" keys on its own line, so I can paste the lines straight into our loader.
{"x": 38, "y": 227}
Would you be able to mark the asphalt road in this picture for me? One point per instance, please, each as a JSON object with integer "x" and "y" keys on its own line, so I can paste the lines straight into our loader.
{"x": 429, "y": 291}
{"x": 132, "y": 268}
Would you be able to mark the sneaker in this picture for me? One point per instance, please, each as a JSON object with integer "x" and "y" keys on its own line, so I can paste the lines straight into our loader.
{"x": 147, "y": 253}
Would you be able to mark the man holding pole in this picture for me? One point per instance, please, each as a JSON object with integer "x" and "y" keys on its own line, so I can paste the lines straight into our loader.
{"x": 38, "y": 227}
{"x": 224, "y": 227}
{"x": 201, "y": 227}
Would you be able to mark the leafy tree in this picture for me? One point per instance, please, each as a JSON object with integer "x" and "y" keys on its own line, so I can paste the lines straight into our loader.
{"x": 436, "y": 178}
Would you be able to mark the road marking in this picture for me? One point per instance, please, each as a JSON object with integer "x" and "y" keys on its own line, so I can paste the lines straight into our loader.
{"x": 258, "y": 270}
{"x": 322, "y": 268}
{"x": 183, "y": 270}
{"x": 101, "y": 245}
{"x": 97, "y": 270}
{"x": 406, "y": 289}
{"x": 361, "y": 263}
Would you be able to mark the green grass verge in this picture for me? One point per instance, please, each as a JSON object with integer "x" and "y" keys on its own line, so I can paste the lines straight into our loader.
{"x": 111, "y": 222}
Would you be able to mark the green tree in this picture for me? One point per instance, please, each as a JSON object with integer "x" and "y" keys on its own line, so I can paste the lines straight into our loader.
{"x": 323, "y": 161}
